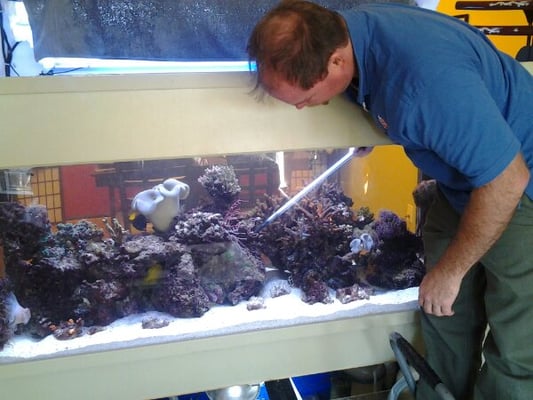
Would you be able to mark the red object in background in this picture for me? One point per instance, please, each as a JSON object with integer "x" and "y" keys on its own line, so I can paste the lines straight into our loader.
{"x": 80, "y": 196}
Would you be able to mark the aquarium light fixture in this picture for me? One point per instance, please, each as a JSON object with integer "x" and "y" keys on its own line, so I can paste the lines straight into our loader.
{"x": 70, "y": 65}
{"x": 20, "y": 31}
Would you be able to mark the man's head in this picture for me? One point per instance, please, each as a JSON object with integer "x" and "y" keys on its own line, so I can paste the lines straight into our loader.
{"x": 302, "y": 52}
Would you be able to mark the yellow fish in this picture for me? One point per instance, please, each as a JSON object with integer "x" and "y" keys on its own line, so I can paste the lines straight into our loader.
{"x": 153, "y": 275}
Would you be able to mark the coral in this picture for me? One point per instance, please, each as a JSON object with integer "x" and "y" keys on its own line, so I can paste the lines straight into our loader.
{"x": 201, "y": 227}
{"x": 397, "y": 262}
{"x": 280, "y": 289}
{"x": 45, "y": 283}
{"x": 228, "y": 272}
{"x": 352, "y": 293}
{"x": 424, "y": 193}
{"x": 77, "y": 276}
{"x": 255, "y": 303}
{"x": 23, "y": 230}
{"x": 67, "y": 330}
{"x": 154, "y": 323}
{"x": 76, "y": 236}
{"x": 180, "y": 293}
{"x": 222, "y": 185}
{"x": 115, "y": 229}
{"x": 389, "y": 225}
{"x": 100, "y": 302}
{"x": 323, "y": 242}
{"x": 77, "y": 273}
{"x": 342, "y": 271}
{"x": 161, "y": 203}
{"x": 363, "y": 217}
{"x": 5, "y": 332}
{"x": 307, "y": 239}
{"x": 314, "y": 289}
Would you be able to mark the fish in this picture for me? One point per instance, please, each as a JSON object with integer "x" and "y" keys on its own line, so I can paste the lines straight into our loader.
{"x": 138, "y": 221}
{"x": 153, "y": 275}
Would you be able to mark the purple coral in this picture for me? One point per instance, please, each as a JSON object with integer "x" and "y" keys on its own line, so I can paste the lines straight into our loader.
{"x": 180, "y": 293}
{"x": 389, "y": 225}
{"x": 397, "y": 263}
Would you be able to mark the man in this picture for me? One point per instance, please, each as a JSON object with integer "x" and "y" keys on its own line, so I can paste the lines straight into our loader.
{"x": 463, "y": 112}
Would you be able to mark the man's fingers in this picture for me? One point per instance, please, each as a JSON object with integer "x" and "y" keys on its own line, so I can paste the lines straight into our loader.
{"x": 447, "y": 311}
{"x": 437, "y": 310}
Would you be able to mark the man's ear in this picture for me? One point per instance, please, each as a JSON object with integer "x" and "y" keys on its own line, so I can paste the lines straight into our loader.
{"x": 337, "y": 58}
{"x": 336, "y": 64}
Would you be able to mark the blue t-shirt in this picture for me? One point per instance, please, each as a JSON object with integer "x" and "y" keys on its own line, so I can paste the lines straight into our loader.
{"x": 461, "y": 109}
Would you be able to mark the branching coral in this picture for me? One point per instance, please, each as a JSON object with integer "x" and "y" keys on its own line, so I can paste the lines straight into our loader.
{"x": 307, "y": 240}
{"x": 322, "y": 241}
{"x": 222, "y": 185}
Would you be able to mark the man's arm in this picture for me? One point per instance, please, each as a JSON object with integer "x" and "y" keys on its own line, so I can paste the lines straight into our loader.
{"x": 486, "y": 216}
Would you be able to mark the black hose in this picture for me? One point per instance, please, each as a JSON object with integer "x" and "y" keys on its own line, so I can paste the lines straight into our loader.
{"x": 406, "y": 355}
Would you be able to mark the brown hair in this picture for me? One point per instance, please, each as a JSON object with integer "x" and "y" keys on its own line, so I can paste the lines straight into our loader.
{"x": 296, "y": 40}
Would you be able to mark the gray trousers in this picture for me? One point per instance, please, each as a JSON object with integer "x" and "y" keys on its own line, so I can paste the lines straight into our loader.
{"x": 497, "y": 291}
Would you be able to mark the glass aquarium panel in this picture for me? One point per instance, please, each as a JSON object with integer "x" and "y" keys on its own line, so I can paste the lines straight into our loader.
{"x": 107, "y": 256}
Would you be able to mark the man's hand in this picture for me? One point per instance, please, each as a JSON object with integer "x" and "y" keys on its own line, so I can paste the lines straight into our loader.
{"x": 438, "y": 292}
{"x": 486, "y": 216}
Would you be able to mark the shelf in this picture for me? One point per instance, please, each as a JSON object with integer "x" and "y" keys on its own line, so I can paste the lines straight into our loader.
{"x": 62, "y": 120}
{"x": 148, "y": 372}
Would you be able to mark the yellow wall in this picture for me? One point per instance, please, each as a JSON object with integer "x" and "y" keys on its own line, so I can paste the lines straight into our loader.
{"x": 385, "y": 179}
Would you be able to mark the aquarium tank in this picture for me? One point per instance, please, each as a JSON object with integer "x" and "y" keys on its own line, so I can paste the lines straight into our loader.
{"x": 95, "y": 248}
